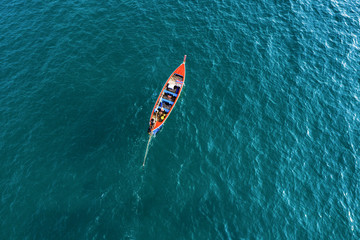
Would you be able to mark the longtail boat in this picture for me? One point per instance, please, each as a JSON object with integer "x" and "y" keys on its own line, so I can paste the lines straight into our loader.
{"x": 167, "y": 99}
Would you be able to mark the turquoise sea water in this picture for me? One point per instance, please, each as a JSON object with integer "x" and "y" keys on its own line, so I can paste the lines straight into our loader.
{"x": 263, "y": 144}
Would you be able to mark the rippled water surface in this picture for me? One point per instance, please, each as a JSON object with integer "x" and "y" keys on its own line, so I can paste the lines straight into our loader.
{"x": 263, "y": 144}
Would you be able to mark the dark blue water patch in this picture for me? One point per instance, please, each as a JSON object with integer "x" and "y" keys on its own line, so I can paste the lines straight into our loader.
{"x": 263, "y": 142}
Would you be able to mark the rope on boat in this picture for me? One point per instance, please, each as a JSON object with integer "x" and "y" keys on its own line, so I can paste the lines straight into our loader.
{"x": 147, "y": 149}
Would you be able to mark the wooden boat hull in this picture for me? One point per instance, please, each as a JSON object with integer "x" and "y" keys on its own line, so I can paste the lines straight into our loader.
{"x": 167, "y": 99}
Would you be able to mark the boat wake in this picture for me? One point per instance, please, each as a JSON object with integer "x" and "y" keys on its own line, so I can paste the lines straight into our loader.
{"x": 147, "y": 149}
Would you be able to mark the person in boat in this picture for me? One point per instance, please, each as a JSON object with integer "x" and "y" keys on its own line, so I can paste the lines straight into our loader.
{"x": 169, "y": 97}
{"x": 162, "y": 114}
{"x": 152, "y": 124}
